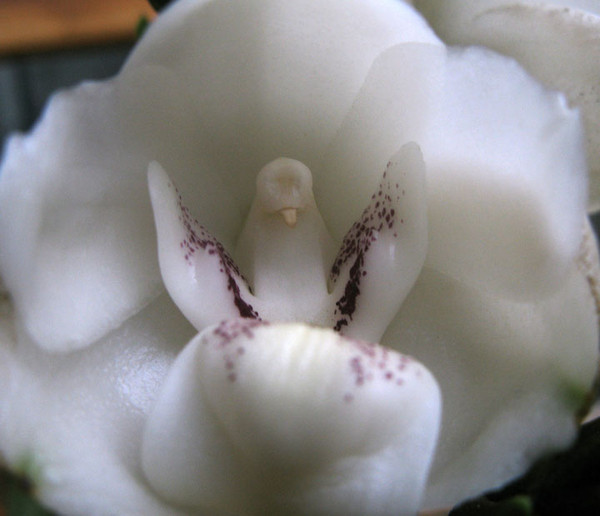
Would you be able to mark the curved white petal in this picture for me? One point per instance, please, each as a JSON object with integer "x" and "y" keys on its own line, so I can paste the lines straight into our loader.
{"x": 288, "y": 419}
{"x": 384, "y": 251}
{"x": 73, "y": 227}
{"x": 214, "y": 91}
{"x": 558, "y": 41}
{"x": 506, "y": 179}
{"x": 278, "y": 82}
{"x": 513, "y": 375}
{"x": 395, "y": 105}
{"x": 197, "y": 270}
{"x": 72, "y": 423}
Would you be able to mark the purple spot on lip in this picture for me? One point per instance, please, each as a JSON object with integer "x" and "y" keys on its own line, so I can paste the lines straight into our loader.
{"x": 227, "y": 332}
{"x": 357, "y": 368}
{"x": 372, "y": 361}
{"x": 230, "y": 329}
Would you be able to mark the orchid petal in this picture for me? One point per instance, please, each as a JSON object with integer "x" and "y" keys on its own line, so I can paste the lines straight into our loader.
{"x": 382, "y": 254}
{"x": 506, "y": 179}
{"x": 288, "y": 419}
{"x": 278, "y": 419}
{"x": 71, "y": 240}
{"x": 197, "y": 270}
{"x": 509, "y": 371}
{"x": 394, "y": 106}
{"x": 71, "y": 424}
{"x": 555, "y": 41}
{"x": 251, "y": 104}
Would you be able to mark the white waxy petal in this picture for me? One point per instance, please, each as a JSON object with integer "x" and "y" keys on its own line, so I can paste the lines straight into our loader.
{"x": 506, "y": 178}
{"x": 71, "y": 423}
{"x": 73, "y": 228}
{"x": 556, "y": 41}
{"x": 395, "y": 105}
{"x": 288, "y": 419}
{"x": 382, "y": 254}
{"x": 256, "y": 105}
{"x": 197, "y": 270}
{"x": 513, "y": 375}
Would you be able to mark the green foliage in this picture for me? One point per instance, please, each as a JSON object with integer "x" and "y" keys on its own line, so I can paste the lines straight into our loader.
{"x": 16, "y": 498}
{"x": 142, "y": 25}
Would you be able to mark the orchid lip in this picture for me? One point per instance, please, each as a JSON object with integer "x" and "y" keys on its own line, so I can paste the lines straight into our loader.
{"x": 292, "y": 405}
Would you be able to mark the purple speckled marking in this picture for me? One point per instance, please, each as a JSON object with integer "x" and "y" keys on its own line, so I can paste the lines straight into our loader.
{"x": 372, "y": 361}
{"x": 379, "y": 216}
{"x": 358, "y": 370}
{"x": 227, "y": 332}
{"x": 199, "y": 239}
{"x": 231, "y": 329}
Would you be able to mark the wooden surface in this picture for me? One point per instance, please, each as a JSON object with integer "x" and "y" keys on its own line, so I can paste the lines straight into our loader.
{"x": 41, "y": 25}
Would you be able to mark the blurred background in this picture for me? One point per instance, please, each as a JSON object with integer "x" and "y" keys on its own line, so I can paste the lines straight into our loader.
{"x": 50, "y": 44}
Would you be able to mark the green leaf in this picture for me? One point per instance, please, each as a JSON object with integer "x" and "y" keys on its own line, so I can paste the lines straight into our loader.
{"x": 141, "y": 27}
{"x": 16, "y": 498}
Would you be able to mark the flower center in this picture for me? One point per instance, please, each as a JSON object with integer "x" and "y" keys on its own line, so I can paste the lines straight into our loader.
{"x": 285, "y": 258}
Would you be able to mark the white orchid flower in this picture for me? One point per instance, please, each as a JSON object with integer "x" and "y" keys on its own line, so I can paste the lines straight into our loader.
{"x": 295, "y": 258}
{"x": 555, "y": 40}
